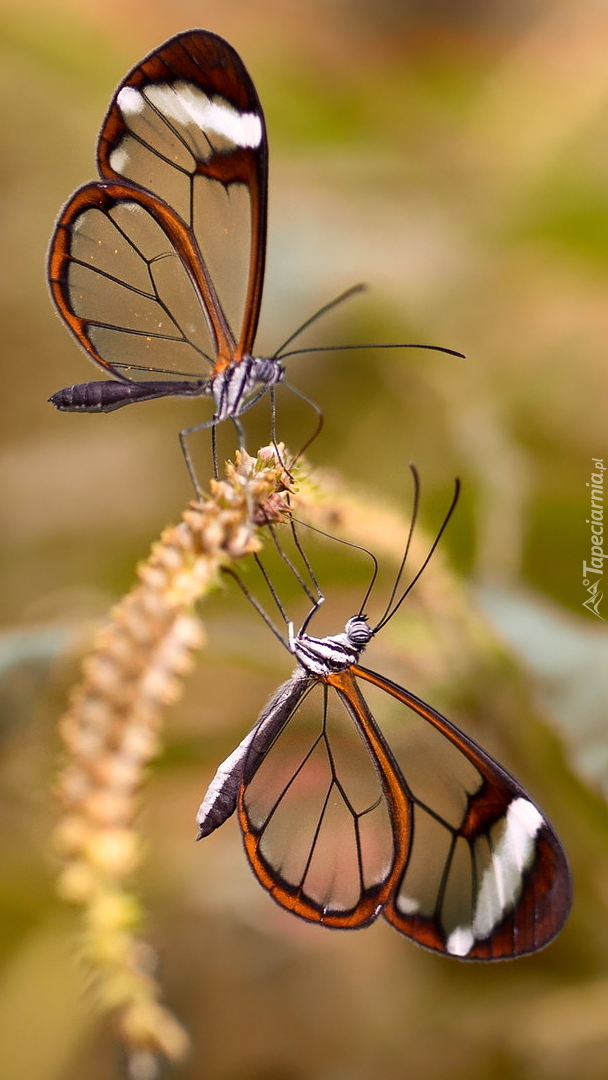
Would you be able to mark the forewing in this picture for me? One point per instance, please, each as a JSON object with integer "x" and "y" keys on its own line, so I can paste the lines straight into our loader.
{"x": 486, "y": 876}
{"x": 187, "y": 125}
{"x": 126, "y": 276}
{"x": 315, "y": 816}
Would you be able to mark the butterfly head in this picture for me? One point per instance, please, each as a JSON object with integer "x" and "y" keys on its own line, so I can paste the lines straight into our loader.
{"x": 358, "y": 631}
{"x": 266, "y": 371}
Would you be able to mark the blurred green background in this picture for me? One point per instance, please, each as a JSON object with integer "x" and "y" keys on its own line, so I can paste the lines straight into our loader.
{"x": 454, "y": 157}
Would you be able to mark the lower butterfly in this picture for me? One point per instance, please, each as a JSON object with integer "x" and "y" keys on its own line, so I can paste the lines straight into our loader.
{"x": 157, "y": 269}
{"x": 355, "y": 798}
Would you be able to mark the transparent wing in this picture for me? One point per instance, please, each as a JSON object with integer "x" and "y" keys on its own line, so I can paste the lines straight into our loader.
{"x": 317, "y": 818}
{"x": 485, "y": 876}
{"x": 127, "y": 278}
{"x": 187, "y": 126}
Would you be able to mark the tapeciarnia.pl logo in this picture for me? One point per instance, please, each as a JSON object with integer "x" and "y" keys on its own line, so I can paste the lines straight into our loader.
{"x": 593, "y": 571}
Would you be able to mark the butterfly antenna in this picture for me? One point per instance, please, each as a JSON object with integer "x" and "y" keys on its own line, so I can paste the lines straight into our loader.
{"x": 353, "y": 291}
{"x": 346, "y": 543}
{"x": 390, "y": 611}
{"x": 375, "y": 345}
{"x": 413, "y": 520}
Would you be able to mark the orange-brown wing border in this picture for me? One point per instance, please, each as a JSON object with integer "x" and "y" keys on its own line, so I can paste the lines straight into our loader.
{"x": 543, "y": 906}
{"x": 207, "y": 60}
{"x": 104, "y": 197}
{"x": 374, "y": 898}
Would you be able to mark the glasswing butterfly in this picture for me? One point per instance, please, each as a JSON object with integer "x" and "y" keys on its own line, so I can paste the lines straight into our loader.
{"x": 356, "y": 798}
{"x": 154, "y": 266}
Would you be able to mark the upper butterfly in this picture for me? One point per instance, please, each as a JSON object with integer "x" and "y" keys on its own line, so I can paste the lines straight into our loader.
{"x": 153, "y": 267}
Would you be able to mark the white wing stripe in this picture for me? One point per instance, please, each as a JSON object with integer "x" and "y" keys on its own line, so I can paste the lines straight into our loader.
{"x": 502, "y": 879}
{"x": 187, "y": 104}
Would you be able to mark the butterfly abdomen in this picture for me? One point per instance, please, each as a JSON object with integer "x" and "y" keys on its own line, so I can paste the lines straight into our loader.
{"x": 109, "y": 395}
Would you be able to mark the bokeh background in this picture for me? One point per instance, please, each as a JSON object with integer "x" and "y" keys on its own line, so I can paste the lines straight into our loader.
{"x": 454, "y": 157}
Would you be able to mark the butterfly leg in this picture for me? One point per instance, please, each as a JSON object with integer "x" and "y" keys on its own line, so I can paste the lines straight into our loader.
{"x": 183, "y": 437}
{"x": 313, "y": 594}
{"x": 311, "y": 438}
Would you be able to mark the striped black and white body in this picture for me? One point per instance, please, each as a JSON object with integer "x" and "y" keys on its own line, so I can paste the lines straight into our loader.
{"x": 355, "y": 798}
{"x": 232, "y": 389}
{"x": 240, "y": 385}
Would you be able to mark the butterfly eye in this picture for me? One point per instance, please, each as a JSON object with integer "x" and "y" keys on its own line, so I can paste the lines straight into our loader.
{"x": 358, "y": 631}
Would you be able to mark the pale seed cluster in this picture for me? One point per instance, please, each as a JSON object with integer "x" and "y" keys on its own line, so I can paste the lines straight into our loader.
{"x": 112, "y": 730}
